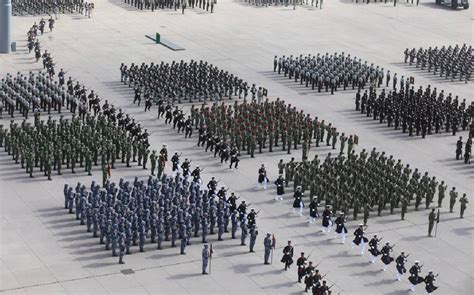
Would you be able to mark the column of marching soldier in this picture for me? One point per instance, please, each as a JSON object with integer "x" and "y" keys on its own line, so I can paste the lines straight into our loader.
{"x": 309, "y": 274}
{"x": 451, "y": 62}
{"x": 33, "y": 44}
{"x": 172, "y": 4}
{"x": 50, "y": 7}
{"x": 185, "y": 81}
{"x": 103, "y": 136}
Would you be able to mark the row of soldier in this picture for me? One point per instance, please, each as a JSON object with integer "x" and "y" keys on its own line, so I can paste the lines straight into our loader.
{"x": 421, "y": 112}
{"x": 467, "y": 150}
{"x": 359, "y": 183}
{"x": 50, "y": 7}
{"x": 34, "y": 44}
{"x": 103, "y": 138}
{"x": 169, "y": 208}
{"x": 188, "y": 81}
{"x": 313, "y": 279}
{"x": 207, "y": 5}
{"x": 267, "y": 3}
{"x": 385, "y": 1}
{"x": 331, "y": 71}
{"x": 452, "y": 62}
{"x": 306, "y": 271}
{"x": 385, "y": 253}
{"x": 359, "y": 238}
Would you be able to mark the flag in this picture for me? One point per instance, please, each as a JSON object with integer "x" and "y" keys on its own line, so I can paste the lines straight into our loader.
{"x": 437, "y": 217}
{"x": 210, "y": 251}
{"x": 274, "y": 241}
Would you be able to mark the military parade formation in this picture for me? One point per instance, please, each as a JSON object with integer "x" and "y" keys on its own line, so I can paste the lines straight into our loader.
{"x": 76, "y": 143}
{"x": 184, "y": 82}
{"x": 97, "y": 132}
{"x": 254, "y": 127}
{"x": 466, "y": 155}
{"x": 37, "y": 92}
{"x": 257, "y": 126}
{"x": 286, "y": 3}
{"x": 165, "y": 209}
{"x": 450, "y": 62}
{"x": 309, "y": 274}
{"x": 55, "y": 125}
{"x": 361, "y": 184}
{"x": 332, "y": 72}
{"x": 51, "y": 7}
{"x": 416, "y": 112}
{"x": 207, "y": 5}
{"x": 33, "y": 44}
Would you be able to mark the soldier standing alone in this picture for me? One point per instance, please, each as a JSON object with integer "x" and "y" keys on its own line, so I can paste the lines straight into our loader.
{"x": 463, "y": 202}
{"x": 431, "y": 220}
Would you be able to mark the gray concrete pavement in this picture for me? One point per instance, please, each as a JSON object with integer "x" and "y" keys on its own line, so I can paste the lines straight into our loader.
{"x": 43, "y": 250}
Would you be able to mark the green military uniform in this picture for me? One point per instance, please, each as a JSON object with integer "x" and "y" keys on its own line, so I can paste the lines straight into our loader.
{"x": 153, "y": 158}
{"x": 146, "y": 153}
{"x": 452, "y": 199}
{"x": 431, "y": 220}
{"x": 463, "y": 200}
{"x": 441, "y": 191}
{"x": 404, "y": 202}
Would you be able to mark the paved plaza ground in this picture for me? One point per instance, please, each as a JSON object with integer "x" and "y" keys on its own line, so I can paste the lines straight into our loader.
{"x": 43, "y": 250}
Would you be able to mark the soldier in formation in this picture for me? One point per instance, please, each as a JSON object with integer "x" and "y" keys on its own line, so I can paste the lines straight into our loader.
{"x": 50, "y": 7}
{"x": 165, "y": 209}
{"x": 359, "y": 183}
{"x": 294, "y": 3}
{"x": 416, "y": 112}
{"x": 449, "y": 62}
{"x": 184, "y": 81}
{"x": 207, "y": 5}
{"x": 255, "y": 128}
{"x": 307, "y": 272}
{"x": 35, "y": 92}
{"x": 331, "y": 72}
{"x": 466, "y": 155}
{"x": 76, "y": 143}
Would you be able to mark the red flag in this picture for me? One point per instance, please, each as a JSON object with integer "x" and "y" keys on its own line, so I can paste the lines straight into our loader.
{"x": 437, "y": 217}
{"x": 210, "y": 252}
{"x": 274, "y": 241}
